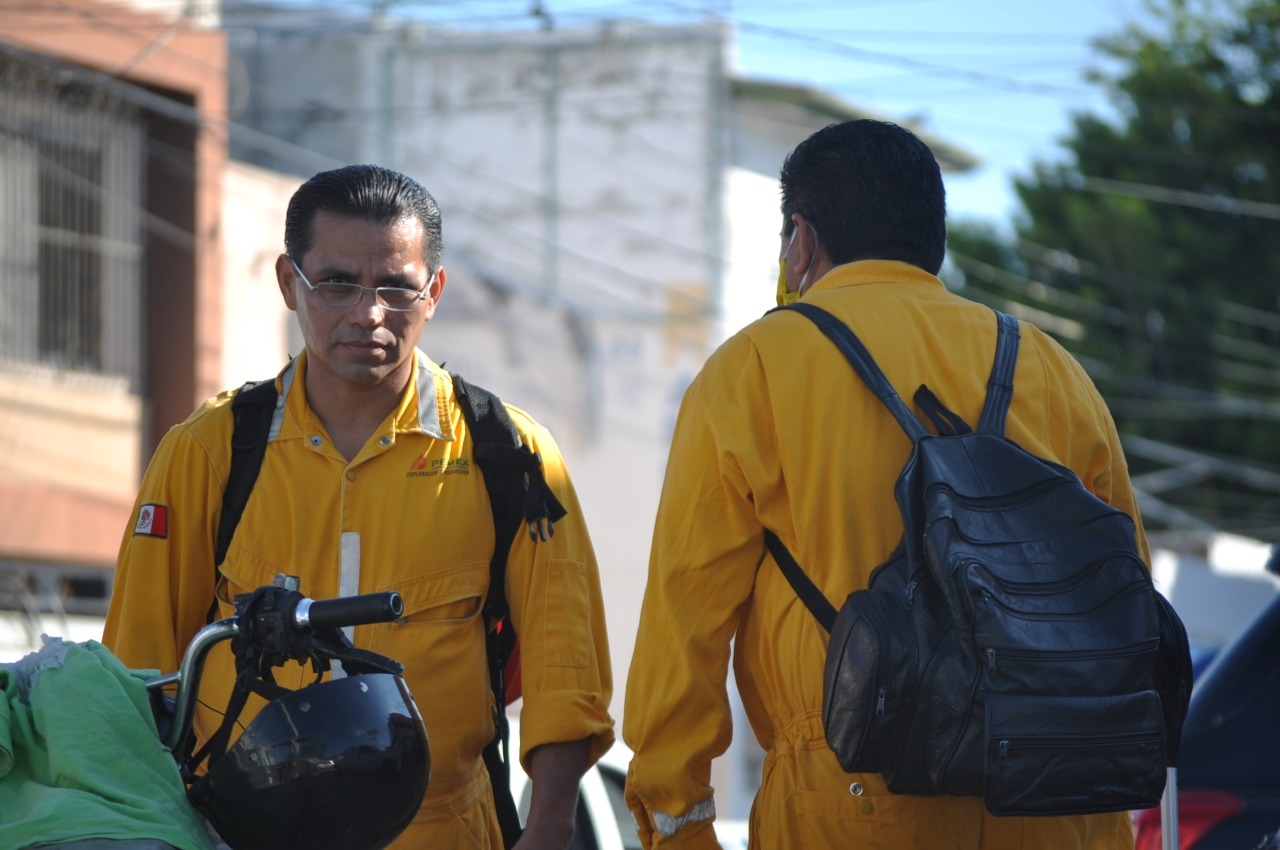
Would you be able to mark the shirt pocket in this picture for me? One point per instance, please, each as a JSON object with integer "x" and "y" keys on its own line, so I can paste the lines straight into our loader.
{"x": 568, "y": 621}
{"x": 242, "y": 572}
{"x": 440, "y": 641}
{"x": 444, "y": 598}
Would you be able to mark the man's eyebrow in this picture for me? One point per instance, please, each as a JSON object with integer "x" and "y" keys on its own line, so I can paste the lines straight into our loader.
{"x": 334, "y": 273}
{"x": 400, "y": 279}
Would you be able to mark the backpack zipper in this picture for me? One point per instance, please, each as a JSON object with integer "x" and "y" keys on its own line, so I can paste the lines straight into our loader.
{"x": 986, "y": 596}
{"x": 1049, "y": 655}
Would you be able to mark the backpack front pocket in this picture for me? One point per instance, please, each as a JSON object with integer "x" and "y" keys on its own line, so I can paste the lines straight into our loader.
{"x": 1079, "y": 755}
{"x": 871, "y": 661}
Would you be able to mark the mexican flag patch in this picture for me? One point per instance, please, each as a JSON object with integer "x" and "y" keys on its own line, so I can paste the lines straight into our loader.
{"x": 153, "y": 521}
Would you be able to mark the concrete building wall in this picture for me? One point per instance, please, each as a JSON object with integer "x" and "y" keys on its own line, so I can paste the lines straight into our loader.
{"x": 258, "y": 332}
{"x": 70, "y": 452}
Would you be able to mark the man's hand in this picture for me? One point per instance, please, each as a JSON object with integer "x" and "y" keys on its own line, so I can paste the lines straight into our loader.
{"x": 556, "y": 770}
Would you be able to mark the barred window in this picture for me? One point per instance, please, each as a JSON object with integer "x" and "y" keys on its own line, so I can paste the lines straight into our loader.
{"x": 71, "y": 199}
{"x": 70, "y": 305}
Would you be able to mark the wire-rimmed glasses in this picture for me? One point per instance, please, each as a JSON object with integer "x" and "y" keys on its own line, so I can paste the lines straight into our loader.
{"x": 333, "y": 293}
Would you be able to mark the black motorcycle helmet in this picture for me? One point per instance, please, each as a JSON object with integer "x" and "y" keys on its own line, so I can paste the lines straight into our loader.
{"x": 339, "y": 765}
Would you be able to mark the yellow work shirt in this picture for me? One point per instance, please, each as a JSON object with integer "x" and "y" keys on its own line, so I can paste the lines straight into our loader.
{"x": 409, "y": 513}
{"x": 779, "y": 432}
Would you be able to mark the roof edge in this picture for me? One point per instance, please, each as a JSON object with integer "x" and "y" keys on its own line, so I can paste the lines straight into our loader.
{"x": 823, "y": 104}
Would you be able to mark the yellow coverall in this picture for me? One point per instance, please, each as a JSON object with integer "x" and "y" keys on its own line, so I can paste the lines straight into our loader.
{"x": 409, "y": 513}
{"x": 778, "y": 432}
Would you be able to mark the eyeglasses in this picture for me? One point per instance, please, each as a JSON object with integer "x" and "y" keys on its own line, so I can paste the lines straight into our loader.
{"x": 333, "y": 293}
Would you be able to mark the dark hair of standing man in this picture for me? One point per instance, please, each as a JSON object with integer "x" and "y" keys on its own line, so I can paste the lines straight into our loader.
{"x": 872, "y": 191}
{"x": 367, "y": 192}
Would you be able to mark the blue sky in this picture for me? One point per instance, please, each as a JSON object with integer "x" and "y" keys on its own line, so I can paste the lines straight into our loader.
{"x": 998, "y": 77}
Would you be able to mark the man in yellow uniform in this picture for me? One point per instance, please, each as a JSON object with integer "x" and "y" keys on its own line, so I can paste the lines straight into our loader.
{"x": 368, "y": 485}
{"x": 778, "y": 432}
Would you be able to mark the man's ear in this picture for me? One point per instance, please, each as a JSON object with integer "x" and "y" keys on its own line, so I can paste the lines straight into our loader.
{"x": 804, "y": 253}
{"x": 285, "y": 280}
{"x": 435, "y": 290}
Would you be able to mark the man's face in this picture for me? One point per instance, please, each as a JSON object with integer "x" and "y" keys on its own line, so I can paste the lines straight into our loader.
{"x": 365, "y": 344}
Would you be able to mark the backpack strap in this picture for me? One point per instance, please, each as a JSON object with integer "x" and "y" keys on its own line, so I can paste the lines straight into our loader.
{"x": 946, "y": 421}
{"x": 870, "y": 373}
{"x": 821, "y": 608}
{"x": 252, "y": 408}
{"x": 1000, "y": 384}
{"x": 518, "y": 494}
{"x": 858, "y": 356}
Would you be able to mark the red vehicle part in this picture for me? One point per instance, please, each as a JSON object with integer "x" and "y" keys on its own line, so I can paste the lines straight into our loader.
{"x": 1198, "y": 812}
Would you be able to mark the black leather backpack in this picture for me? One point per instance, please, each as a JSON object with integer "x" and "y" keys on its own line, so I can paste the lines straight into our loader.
{"x": 1013, "y": 646}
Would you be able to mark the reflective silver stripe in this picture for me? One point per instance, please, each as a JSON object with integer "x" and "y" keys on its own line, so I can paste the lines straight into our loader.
{"x": 667, "y": 825}
{"x": 349, "y": 564}
{"x": 286, "y": 381}
{"x": 428, "y": 409}
{"x": 348, "y": 579}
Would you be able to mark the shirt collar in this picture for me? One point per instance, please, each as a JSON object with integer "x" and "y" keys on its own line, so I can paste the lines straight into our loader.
{"x": 425, "y": 400}
{"x": 863, "y": 272}
{"x": 420, "y": 409}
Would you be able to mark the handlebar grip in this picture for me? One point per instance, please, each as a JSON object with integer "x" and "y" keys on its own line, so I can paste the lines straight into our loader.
{"x": 351, "y": 610}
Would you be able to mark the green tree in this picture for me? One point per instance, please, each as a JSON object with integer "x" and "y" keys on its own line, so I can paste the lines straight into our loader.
{"x": 1153, "y": 249}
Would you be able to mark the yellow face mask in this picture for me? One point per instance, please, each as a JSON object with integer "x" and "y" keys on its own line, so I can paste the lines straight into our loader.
{"x": 784, "y": 295}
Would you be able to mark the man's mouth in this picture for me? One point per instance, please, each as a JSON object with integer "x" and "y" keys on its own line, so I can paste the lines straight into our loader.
{"x": 364, "y": 345}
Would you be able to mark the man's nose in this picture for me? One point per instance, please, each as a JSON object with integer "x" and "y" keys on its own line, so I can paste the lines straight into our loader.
{"x": 367, "y": 312}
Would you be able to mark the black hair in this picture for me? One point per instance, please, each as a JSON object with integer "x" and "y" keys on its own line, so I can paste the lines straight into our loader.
{"x": 871, "y": 190}
{"x": 368, "y": 192}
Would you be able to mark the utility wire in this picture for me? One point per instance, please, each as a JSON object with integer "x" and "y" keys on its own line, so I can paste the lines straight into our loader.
{"x": 1067, "y": 316}
{"x": 1180, "y": 197}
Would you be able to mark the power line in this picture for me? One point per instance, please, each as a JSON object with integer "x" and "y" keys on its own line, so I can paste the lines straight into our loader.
{"x": 1242, "y": 471}
{"x": 1180, "y": 197}
{"x": 1082, "y": 314}
{"x": 1065, "y": 261}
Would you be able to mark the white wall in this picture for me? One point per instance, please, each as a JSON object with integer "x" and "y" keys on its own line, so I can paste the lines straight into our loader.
{"x": 258, "y": 331}
{"x": 751, "y": 234}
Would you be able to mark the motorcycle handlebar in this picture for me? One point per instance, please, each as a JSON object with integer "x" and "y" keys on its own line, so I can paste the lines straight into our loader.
{"x": 319, "y": 614}
{"x": 308, "y": 616}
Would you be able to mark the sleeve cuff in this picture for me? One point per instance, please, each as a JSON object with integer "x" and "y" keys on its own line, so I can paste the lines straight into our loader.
{"x": 558, "y": 716}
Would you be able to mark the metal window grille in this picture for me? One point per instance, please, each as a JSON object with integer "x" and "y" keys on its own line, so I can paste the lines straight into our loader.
{"x": 71, "y": 212}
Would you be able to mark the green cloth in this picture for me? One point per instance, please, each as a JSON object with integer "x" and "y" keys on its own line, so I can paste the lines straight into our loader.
{"x": 80, "y": 756}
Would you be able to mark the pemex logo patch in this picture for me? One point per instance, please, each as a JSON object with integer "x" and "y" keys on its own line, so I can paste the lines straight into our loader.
{"x": 153, "y": 521}
{"x": 426, "y": 467}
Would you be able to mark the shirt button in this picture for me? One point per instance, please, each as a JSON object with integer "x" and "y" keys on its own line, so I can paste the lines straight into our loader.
{"x": 866, "y": 808}
{"x": 315, "y": 440}
{"x": 351, "y": 475}
{"x": 386, "y": 441}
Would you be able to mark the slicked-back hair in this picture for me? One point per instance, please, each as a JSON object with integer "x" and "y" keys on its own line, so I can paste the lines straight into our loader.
{"x": 367, "y": 192}
{"x": 872, "y": 191}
